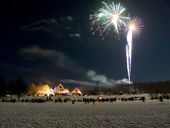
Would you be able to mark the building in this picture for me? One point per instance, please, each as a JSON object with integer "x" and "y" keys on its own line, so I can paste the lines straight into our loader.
{"x": 76, "y": 91}
{"x": 60, "y": 90}
{"x": 40, "y": 90}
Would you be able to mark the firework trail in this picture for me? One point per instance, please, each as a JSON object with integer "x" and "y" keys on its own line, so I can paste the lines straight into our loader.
{"x": 133, "y": 28}
{"x": 129, "y": 54}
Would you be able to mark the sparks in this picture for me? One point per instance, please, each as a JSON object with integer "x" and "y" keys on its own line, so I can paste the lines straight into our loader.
{"x": 107, "y": 16}
{"x": 135, "y": 26}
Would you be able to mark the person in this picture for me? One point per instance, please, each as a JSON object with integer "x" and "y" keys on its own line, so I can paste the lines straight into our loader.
{"x": 72, "y": 101}
{"x": 93, "y": 101}
{"x": 161, "y": 98}
{"x": 143, "y": 99}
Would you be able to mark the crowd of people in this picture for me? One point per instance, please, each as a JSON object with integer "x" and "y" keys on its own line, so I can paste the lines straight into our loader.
{"x": 83, "y": 100}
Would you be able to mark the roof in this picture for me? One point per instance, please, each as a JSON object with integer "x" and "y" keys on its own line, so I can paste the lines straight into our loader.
{"x": 76, "y": 91}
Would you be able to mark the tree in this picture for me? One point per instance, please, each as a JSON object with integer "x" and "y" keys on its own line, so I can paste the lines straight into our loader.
{"x": 17, "y": 86}
{"x": 3, "y": 86}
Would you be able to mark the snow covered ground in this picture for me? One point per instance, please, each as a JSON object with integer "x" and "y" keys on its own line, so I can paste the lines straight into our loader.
{"x": 150, "y": 114}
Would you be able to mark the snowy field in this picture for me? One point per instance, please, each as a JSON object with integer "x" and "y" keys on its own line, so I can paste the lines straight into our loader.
{"x": 150, "y": 114}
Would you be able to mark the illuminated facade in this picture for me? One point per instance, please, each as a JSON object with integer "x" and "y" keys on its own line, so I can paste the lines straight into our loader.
{"x": 45, "y": 90}
{"x": 59, "y": 90}
{"x": 76, "y": 91}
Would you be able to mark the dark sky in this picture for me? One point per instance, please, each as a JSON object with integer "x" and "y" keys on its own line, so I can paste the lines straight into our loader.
{"x": 50, "y": 41}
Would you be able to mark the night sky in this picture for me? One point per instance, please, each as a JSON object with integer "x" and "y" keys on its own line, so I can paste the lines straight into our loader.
{"x": 50, "y": 41}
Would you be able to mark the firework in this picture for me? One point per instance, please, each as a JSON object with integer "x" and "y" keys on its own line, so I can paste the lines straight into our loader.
{"x": 110, "y": 15}
{"x": 133, "y": 28}
{"x": 113, "y": 16}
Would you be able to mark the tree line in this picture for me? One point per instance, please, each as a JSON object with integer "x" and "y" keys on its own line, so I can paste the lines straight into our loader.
{"x": 147, "y": 87}
{"x": 16, "y": 86}
{"x": 135, "y": 88}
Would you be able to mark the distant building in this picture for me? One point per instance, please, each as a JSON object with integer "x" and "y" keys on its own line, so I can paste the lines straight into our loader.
{"x": 40, "y": 90}
{"x": 60, "y": 90}
{"x": 45, "y": 90}
{"x": 76, "y": 91}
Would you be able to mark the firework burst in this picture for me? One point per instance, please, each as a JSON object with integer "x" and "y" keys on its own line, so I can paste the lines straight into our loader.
{"x": 135, "y": 26}
{"x": 110, "y": 15}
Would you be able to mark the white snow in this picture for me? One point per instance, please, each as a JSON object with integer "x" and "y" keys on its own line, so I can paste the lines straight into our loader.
{"x": 150, "y": 114}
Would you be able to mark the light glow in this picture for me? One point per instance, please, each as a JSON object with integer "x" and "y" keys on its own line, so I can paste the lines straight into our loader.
{"x": 110, "y": 15}
{"x": 132, "y": 29}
